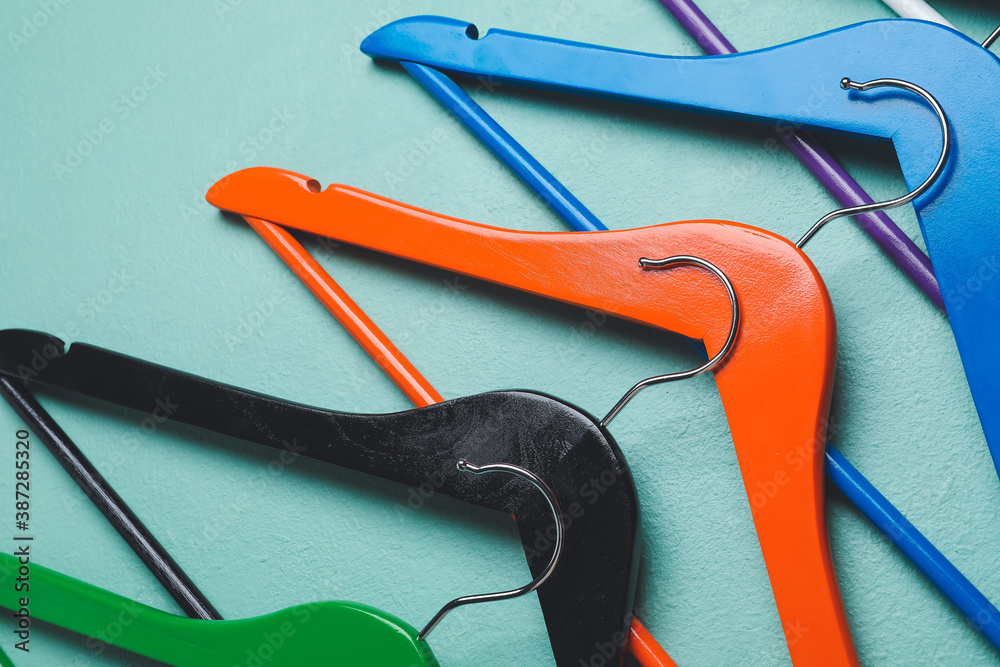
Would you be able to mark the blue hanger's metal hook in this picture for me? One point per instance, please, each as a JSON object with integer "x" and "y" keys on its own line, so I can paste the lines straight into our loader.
{"x": 847, "y": 84}
{"x": 992, "y": 38}
{"x": 550, "y": 498}
{"x": 734, "y": 327}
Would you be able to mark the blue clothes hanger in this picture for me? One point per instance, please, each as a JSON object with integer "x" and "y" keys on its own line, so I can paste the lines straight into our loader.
{"x": 956, "y": 216}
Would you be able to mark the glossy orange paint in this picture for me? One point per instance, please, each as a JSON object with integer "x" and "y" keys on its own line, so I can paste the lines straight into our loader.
{"x": 645, "y": 649}
{"x": 348, "y": 313}
{"x": 775, "y": 384}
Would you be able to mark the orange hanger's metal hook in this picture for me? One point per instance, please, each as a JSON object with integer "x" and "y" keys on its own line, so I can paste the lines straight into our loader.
{"x": 734, "y": 327}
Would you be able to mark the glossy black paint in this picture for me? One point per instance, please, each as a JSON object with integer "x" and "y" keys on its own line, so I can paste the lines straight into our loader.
{"x": 166, "y": 570}
{"x": 587, "y": 603}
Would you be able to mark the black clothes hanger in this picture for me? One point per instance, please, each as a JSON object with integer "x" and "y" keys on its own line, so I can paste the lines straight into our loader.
{"x": 587, "y": 601}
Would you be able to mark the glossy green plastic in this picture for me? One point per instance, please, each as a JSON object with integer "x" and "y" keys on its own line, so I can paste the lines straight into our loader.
{"x": 322, "y": 633}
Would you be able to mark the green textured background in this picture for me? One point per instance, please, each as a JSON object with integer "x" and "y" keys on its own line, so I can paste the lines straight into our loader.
{"x": 202, "y": 293}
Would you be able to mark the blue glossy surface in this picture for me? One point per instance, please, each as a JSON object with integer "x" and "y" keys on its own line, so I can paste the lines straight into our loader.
{"x": 797, "y": 84}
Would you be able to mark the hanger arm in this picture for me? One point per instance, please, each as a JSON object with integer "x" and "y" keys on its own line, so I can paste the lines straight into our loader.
{"x": 790, "y": 86}
{"x": 775, "y": 385}
{"x": 91, "y": 611}
{"x": 310, "y": 635}
{"x": 795, "y": 82}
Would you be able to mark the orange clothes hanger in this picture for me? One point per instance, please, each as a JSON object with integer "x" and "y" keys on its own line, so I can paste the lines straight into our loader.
{"x": 775, "y": 385}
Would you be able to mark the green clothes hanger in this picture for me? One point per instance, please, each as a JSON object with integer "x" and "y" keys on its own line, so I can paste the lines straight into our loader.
{"x": 312, "y": 634}
{"x": 321, "y": 633}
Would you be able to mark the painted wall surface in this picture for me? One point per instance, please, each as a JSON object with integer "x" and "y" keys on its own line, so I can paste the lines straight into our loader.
{"x": 117, "y": 117}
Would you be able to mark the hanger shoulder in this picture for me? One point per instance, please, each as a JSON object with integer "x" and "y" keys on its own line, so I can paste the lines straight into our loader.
{"x": 568, "y": 267}
{"x": 795, "y": 84}
{"x": 312, "y": 634}
{"x": 403, "y": 447}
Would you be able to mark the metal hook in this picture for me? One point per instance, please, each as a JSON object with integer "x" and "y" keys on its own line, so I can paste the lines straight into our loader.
{"x": 550, "y": 497}
{"x": 734, "y": 327}
{"x": 992, "y": 38}
{"x": 846, "y": 84}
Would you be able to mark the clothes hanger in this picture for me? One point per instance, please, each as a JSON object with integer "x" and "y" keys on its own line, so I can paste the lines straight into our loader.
{"x": 774, "y": 385}
{"x": 364, "y": 635}
{"x": 762, "y": 86}
{"x": 591, "y": 594}
{"x": 322, "y": 633}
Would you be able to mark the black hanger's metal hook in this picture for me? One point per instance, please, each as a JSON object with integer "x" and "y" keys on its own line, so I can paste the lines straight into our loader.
{"x": 550, "y": 498}
{"x": 734, "y": 327}
{"x": 847, "y": 84}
